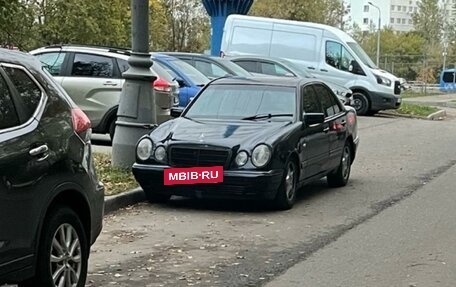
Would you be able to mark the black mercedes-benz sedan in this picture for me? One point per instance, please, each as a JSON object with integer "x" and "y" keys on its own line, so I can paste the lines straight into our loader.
{"x": 251, "y": 138}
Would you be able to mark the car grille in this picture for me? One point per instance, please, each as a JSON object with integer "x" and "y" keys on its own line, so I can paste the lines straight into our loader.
{"x": 195, "y": 156}
{"x": 397, "y": 88}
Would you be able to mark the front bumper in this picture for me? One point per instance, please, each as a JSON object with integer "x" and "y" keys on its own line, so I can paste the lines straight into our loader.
{"x": 237, "y": 184}
{"x": 384, "y": 101}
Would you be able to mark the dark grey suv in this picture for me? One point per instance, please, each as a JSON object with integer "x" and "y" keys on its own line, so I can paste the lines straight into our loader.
{"x": 51, "y": 203}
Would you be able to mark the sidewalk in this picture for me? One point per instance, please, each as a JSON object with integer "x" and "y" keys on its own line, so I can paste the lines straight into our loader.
{"x": 409, "y": 244}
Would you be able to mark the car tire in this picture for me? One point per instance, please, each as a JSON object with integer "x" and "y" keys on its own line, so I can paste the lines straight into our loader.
{"x": 286, "y": 195}
{"x": 340, "y": 176}
{"x": 360, "y": 103}
{"x": 154, "y": 197}
{"x": 61, "y": 259}
{"x": 112, "y": 128}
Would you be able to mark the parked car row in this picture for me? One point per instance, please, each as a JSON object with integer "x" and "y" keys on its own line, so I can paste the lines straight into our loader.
{"x": 271, "y": 115}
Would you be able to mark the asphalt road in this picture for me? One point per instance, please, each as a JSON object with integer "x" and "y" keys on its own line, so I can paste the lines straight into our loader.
{"x": 213, "y": 243}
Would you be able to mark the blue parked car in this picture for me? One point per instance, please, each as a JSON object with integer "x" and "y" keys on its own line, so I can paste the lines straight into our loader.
{"x": 190, "y": 79}
{"x": 448, "y": 80}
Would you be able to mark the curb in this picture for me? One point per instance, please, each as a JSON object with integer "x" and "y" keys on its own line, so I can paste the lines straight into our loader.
{"x": 439, "y": 115}
{"x": 124, "y": 199}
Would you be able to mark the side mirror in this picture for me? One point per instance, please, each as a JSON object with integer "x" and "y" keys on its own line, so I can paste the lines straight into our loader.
{"x": 355, "y": 68}
{"x": 181, "y": 82}
{"x": 313, "y": 119}
{"x": 176, "y": 112}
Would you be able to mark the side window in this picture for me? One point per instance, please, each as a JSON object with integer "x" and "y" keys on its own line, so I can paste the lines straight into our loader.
{"x": 8, "y": 115}
{"x": 310, "y": 102}
{"x": 248, "y": 66}
{"x": 29, "y": 92}
{"x": 52, "y": 62}
{"x": 328, "y": 102}
{"x": 123, "y": 65}
{"x": 273, "y": 69}
{"x": 337, "y": 56}
{"x": 92, "y": 66}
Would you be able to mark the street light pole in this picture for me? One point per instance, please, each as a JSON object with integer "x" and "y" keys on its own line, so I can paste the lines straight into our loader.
{"x": 378, "y": 32}
{"x": 136, "y": 114}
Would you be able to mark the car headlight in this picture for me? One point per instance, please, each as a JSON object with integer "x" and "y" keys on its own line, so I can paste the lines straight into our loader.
{"x": 261, "y": 155}
{"x": 144, "y": 149}
{"x": 241, "y": 158}
{"x": 383, "y": 81}
{"x": 160, "y": 153}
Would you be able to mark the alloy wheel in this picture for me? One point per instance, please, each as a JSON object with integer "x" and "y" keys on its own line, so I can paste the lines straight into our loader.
{"x": 290, "y": 181}
{"x": 66, "y": 257}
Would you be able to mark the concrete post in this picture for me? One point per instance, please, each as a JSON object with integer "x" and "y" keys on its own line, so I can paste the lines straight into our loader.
{"x": 136, "y": 114}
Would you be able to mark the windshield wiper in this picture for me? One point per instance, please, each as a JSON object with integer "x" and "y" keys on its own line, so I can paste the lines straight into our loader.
{"x": 265, "y": 116}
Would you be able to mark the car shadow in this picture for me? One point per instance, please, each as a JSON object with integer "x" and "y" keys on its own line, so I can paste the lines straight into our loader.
{"x": 306, "y": 193}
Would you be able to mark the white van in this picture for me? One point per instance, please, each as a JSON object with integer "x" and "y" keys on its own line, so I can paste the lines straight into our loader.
{"x": 324, "y": 51}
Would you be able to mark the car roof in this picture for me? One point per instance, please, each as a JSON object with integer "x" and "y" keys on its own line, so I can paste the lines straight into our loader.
{"x": 257, "y": 57}
{"x": 187, "y": 54}
{"x": 122, "y": 53}
{"x": 270, "y": 81}
{"x": 19, "y": 58}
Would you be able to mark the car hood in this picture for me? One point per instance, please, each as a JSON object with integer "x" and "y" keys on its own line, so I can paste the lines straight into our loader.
{"x": 217, "y": 132}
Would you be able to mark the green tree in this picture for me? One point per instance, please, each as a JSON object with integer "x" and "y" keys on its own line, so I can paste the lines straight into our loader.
{"x": 428, "y": 21}
{"x": 188, "y": 25}
{"x": 16, "y": 23}
{"x": 329, "y": 12}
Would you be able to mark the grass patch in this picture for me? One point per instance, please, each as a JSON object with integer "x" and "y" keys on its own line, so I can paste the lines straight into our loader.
{"x": 115, "y": 179}
{"x": 416, "y": 94}
{"x": 416, "y": 110}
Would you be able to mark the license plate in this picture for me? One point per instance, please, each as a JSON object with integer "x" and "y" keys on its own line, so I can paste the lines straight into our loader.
{"x": 193, "y": 175}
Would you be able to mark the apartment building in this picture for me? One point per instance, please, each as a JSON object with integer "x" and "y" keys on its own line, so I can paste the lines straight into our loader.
{"x": 396, "y": 14}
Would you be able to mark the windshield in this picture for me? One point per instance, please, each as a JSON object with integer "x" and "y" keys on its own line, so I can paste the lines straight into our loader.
{"x": 243, "y": 101}
{"x": 195, "y": 76}
{"x": 237, "y": 70}
{"x": 362, "y": 55}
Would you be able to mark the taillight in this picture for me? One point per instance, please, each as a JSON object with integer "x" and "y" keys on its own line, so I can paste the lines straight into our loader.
{"x": 161, "y": 85}
{"x": 81, "y": 122}
{"x": 351, "y": 118}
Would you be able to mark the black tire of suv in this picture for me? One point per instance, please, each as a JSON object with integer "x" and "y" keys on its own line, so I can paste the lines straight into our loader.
{"x": 283, "y": 200}
{"x": 54, "y": 220}
{"x": 340, "y": 176}
{"x": 112, "y": 128}
{"x": 363, "y": 103}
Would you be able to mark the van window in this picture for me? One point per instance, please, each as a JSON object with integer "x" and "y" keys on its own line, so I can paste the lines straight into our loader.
{"x": 337, "y": 56}
{"x": 250, "y": 41}
{"x": 290, "y": 45}
{"x": 448, "y": 77}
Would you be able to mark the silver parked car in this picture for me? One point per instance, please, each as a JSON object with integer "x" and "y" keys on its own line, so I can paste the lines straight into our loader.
{"x": 283, "y": 68}
{"x": 92, "y": 76}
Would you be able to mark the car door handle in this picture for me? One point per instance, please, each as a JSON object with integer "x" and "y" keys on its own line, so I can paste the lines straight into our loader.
{"x": 109, "y": 83}
{"x": 311, "y": 68}
{"x": 41, "y": 152}
{"x": 324, "y": 70}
